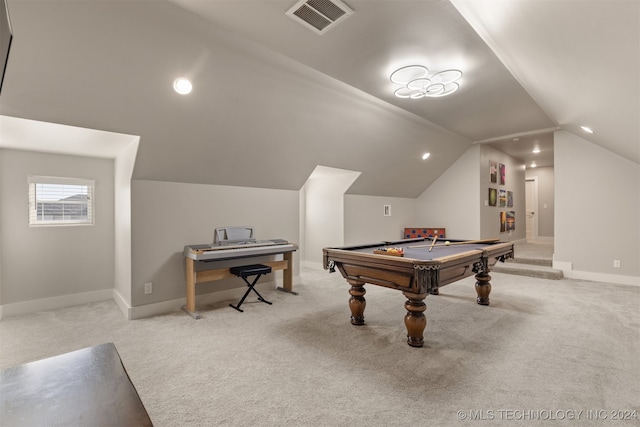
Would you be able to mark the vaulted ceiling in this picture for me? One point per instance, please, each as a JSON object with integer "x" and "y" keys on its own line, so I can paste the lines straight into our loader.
{"x": 273, "y": 99}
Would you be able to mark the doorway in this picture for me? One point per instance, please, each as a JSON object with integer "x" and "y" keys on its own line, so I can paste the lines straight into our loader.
{"x": 531, "y": 208}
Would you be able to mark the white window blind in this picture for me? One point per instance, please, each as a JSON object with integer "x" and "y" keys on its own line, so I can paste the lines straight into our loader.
{"x": 60, "y": 201}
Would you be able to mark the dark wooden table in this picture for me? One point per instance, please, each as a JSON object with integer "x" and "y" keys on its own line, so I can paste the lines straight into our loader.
{"x": 87, "y": 387}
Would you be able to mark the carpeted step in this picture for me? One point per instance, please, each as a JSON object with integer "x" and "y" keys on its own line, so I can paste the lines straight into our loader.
{"x": 545, "y": 262}
{"x": 529, "y": 270}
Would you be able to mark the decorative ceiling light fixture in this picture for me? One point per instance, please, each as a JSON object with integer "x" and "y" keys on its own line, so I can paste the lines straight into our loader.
{"x": 418, "y": 84}
{"x": 182, "y": 86}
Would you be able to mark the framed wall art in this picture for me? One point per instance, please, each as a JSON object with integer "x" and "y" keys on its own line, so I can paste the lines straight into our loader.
{"x": 511, "y": 220}
{"x": 493, "y": 197}
{"x": 493, "y": 171}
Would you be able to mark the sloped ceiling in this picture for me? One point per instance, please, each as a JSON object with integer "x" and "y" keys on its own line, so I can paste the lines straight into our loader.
{"x": 272, "y": 99}
{"x": 579, "y": 60}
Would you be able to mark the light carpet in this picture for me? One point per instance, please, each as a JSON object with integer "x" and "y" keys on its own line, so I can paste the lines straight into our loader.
{"x": 545, "y": 352}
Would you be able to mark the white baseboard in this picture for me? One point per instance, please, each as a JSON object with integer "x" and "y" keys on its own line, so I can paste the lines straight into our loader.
{"x": 604, "y": 278}
{"x": 45, "y": 304}
{"x": 164, "y": 307}
{"x": 562, "y": 265}
{"x": 121, "y": 303}
{"x": 570, "y": 273}
{"x": 129, "y": 312}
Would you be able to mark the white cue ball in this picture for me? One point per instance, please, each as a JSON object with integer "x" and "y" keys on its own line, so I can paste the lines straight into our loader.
{"x": 447, "y": 243}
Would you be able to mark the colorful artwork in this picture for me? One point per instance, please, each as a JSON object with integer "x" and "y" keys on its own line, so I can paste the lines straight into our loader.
{"x": 503, "y": 174}
{"x": 503, "y": 198}
{"x": 507, "y": 221}
{"x": 509, "y": 199}
{"x": 423, "y": 232}
{"x": 511, "y": 220}
{"x": 493, "y": 197}
{"x": 493, "y": 171}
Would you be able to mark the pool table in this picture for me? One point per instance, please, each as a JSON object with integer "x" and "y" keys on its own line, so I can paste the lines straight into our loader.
{"x": 420, "y": 269}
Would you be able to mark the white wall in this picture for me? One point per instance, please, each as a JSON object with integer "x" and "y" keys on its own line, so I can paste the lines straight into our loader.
{"x": 43, "y": 263}
{"x": 365, "y": 221}
{"x": 597, "y": 206}
{"x": 123, "y": 168}
{"x": 166, "y": 216}
{"x": 324, "y": 223}
{"x": 453, "y": 200}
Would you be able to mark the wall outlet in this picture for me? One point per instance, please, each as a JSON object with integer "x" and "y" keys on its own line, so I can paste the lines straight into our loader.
{"x": 616, "y": 263}
{"x": 148, "y": 288}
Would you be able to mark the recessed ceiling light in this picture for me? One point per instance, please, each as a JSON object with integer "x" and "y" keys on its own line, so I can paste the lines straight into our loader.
{"x": 533, "y": 164}
{"x": 182, "y": 86}
{"x": 536, "y": 150}
{"x": 425, "y": 156}
{"x": 586, "y": 129}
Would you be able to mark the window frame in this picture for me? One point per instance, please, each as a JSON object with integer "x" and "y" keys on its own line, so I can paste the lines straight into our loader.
{"x": 34, "y": 180}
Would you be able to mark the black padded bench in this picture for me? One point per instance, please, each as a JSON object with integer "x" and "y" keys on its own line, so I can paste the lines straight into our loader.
{"x": 246, "y": 271}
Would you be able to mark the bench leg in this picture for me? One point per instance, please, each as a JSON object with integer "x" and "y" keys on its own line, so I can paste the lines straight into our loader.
{"x": 251, "y": 288}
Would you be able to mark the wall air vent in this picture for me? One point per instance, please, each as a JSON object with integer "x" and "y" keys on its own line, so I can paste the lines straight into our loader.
{"x": 319, "y": 15}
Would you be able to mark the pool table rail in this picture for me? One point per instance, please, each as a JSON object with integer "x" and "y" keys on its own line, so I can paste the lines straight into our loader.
{"x": 412, "y": 274}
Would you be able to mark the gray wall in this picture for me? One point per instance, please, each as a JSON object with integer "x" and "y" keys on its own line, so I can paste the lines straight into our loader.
{"x": 366, "y": 223}
{"x": 458, "y": 200}
{"x": 597, "y": 206}
{"x": 515, "y": 182}
{"x": 453, "y": 200}
{"x": 166, "y": 216}
{"x": 48, "y": 262}
{"x": 546, "y": 197}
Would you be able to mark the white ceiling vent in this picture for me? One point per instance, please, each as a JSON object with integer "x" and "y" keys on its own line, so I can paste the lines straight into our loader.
{"x": 319, "y": 15}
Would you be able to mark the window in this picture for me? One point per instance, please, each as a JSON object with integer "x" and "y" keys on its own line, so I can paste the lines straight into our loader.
{"x": 60, "y": 201}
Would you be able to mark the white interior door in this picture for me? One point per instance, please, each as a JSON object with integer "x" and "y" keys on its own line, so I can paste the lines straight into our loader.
{"x": 531, "y": 207}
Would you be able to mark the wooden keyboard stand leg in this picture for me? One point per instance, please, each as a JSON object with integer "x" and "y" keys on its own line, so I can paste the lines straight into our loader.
{"x": 287, "y": 275}
{"x": 190, "y": 307}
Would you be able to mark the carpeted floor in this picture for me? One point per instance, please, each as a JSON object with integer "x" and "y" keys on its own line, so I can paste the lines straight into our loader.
{"x": 545, "y": 352}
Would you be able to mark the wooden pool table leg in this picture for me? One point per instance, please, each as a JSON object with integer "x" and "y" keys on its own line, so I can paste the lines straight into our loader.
{"x": 483, "y": 288}
{"x": 357, "y": 303}
{"x": 415, "y": 320}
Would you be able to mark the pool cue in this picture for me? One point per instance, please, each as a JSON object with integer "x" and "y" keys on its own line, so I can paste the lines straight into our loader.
{"x": 468, "y": 242}
{"x": 433, "y": 243}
